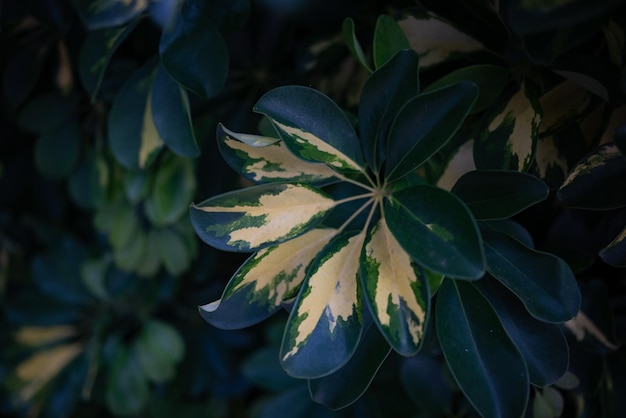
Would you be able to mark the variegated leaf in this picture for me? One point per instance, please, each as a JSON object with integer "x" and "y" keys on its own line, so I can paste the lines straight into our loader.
{"x": 395, "y": 289}
{"x": 313, "y": 127}
{"x": 265, "y": 159}
{"x": 259, "y": 216}
{"x": 325, "y": 324}
{"x": 615, "y": 253}
{"x": 508, "y": 141}
{"x": 265, "y": 280}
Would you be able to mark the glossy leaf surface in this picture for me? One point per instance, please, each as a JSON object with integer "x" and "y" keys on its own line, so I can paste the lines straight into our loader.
{"x": 395, "y": 289}
{"x": 449, "y": 242}
{"x": 325, "y": 324}
{"x": 543, "y": 282}
{"x": 383, "y": 94}
{"x": 389, "y": 39}
{"x": 265, "y": 281}
{"x": 260, "y": 216}
{"x": 424, "y": 125}
{"x": 313, "y": 127}
{"x": 484, "y": 362}
{"x": 271, "y": 161}
{"x": 347, "y": 29}
{"x": 494, "y": 194}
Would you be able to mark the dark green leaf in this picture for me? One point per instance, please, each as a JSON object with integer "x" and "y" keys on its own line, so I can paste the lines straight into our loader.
{"x": 437, "y": 230}
{"x": 424, "y": 125}
{"x": 542, "y": 345}
{"x": 96, "y": 52}
{"x": 347, "y": 28}
{"x": 388, "y": 40}
{"x": 496, "y": 194}
{"x": 171, "y": 249}
{"x": 157, "y": 349}
{"x": 598, "y": 181}
{"x": 193, "y": 52}
{"x": 332, "y": 390}
{"x": 292, "y": 403}
{"x": 490, "y": 80}
{"x": 484, "y": 362}
{"x": 46, "y": 113}
{"x": 544, "y": 282}
{"x": 87, "y": 185}
{"x": 313, "y": 127}
{"x": 263, "y": 369}
{"x": 426, "y": 383}
{"x": 132, "y": 135}
{"x": 56, "y": 152}
{"x": 383, "y": 94}
{"x": 126, "y": 390}
{"x": 98, "y": 14}
{"x": 171, "y": 114}
{"x": 172, "y": 192}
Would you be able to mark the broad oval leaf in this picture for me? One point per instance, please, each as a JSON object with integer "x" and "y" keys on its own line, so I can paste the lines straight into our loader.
{"x": 194, "y": 52}
{"x": 437, "y": 230}
{"x": 396, "y": 290}
{"x": 272, "y": 162}
{"x": 424, "y": 125}
{"x": 389, "y": 39}
{"x": 265, "y": 281}
{"x": 325, "y": 325}
{"x": 259, "y": 216}
{"x": 490, "y": 80}
{"x": 313, "y": 127}
{"x": 383, "y": 94}
{"x": 498, "y": 194}
{"x": 598, "y": 181}
{"x": 508, "y": 140}
{"x": 132, "y": 135}
{"x": 484, "y": 362}
{"x": 543, "y": 282}
{"x": 172, "y": 116}
{"x": 332, "y": 390}
{"x": 542, "y": 345}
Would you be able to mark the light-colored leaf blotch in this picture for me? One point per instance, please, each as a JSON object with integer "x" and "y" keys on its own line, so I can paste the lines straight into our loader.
{"x": 151, "y": 141}
{"x": 593, "y": 162}
{"x": 251, "y": 140}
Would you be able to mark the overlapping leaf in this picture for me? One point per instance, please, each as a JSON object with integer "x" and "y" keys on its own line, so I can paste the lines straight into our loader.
{"x": 388, "y": 40}
{"x": 268, "y": 159}
{"x": 545, "y": 283}
{"x": 265, "y": 280}
{"x": 495, "y": 194}
{"x": 449, "y": 242}
{"x": 395, "y": 289}
{"x": 424, "y": 125}
{"x": 313, "y": 127}
{"x": 325, "y": 324}
{"x": 259, "y": 216}
{"x": 483, "y": 360}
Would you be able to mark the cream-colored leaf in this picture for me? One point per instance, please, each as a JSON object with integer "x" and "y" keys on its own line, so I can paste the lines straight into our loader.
{"x": 36, "y": 335}
{"x": 461, "y": 162}
{"x": 151, "y": 141}
{"x": 251, "y": 140}
{"x": 548, "y": 155}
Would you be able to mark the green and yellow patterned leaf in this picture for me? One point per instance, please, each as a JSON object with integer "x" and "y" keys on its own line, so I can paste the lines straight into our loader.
{"x": 395, "y": 289}
{"x": 325, "y": 324}
{"x": 313, "y": 127}
{"x": 265, "y": 160}
{"x": 509, "y": 139}
{"x": 265, "y": 280}
{"x": 259, "y": 216}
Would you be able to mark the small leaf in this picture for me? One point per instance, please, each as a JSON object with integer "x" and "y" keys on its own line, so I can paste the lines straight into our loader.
{"x": 542, "y": 345}
{"x": 313, "y": 127}
{"x": 543, "y": 282}
{"x": 497, "y": 194}
{"x": 132, "y": 135}
{"x": 332, "y": 390}
{"x": 347, "y": 28}
{"x": 325, "y": 325}
{"x": 424, "y": 125}
{"x": 265, "y": 281}
{"x": 259, "y": 216}
{"x": 388, "y": 40}
{"x": 172, "y": 116}
{"x": 158, "y": 348}
{"x": 173, "y": 189}
{"x": 46, "y": 113}
{"x": 597, "y": 182}
{"x": 126, "y": 390}
{"x": 383, "y": 94}
{"x": 509, "y": 137}
{"x": 57, "y": 152}
{"x": 96, "y": 52}
{"x": 484, "y": 362}
{"x": 435, "y": 40}
{"x": 437, "y": 230}
{"x": 490, "y": 80}
{"x": 171, "y": 249}
{"x": 395, "y": 289}
{"x": 194, "y": 53}
{"x": 271, "y": 162}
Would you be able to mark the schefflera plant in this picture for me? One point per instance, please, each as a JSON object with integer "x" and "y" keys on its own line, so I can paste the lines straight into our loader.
{"x": 355, "y": 244}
